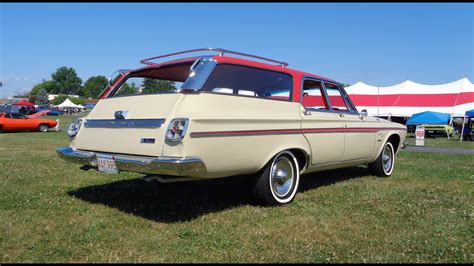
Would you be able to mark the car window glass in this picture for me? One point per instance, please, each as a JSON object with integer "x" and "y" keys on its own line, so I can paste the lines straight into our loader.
{"x": 313, "y": 96}
{"x": 140, "y": 85}
{"x": 249, "y": 81}
{"x": 17, "y": 116}
{"x": 336, "y": 98}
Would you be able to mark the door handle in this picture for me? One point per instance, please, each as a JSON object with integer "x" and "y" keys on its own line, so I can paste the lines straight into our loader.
{"x": 341, "y": 114}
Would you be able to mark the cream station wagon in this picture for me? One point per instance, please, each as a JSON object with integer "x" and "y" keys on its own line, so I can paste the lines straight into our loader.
{"x": 215, "y": 115}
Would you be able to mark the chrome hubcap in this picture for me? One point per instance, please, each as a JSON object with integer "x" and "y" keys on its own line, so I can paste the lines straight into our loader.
{"x": 282, "y": 176}
{"x": 387, "y": 159}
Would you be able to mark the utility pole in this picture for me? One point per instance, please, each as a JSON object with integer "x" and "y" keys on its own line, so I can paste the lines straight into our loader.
{"x": 378, "y": 99}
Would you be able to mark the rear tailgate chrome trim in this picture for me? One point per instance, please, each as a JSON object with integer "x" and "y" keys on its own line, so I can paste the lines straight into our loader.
{"x": 124, "y": 123}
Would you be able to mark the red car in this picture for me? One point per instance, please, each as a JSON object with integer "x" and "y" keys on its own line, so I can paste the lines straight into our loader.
{"x": 18, "y": 122}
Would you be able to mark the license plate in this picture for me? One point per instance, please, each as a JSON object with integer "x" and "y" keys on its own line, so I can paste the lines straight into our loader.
{"x": 107, "y": 164}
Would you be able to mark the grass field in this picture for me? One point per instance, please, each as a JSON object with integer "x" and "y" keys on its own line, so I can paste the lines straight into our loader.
{"x": 51, "y": 211}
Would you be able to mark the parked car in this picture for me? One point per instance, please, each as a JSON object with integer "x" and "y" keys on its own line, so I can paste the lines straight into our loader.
{"x": 231, "y": 116}
{"x": 89, "y": 106}
{"x": 53, "y": 111}
{"x": 56, "y": 112}
{"x": 438, "y": 130}
{"x": 10, "y": 122}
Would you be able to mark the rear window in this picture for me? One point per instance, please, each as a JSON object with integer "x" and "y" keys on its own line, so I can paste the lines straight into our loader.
{"x": 154, "y": 80}
{"x": 139, "y": 86}
{"x": 249, "y": 81}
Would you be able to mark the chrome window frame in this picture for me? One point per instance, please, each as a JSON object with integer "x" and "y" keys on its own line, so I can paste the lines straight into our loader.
{"x": 196, "y": 82}
{"x": 324, "y": 94}
{"x": 353, "y": 110}
{"x": 345, "y": 97}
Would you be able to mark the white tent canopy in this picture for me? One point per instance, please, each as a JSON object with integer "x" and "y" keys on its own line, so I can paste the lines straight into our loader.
{"x": 68, "y": 104}
{"x": 408, "y": 98}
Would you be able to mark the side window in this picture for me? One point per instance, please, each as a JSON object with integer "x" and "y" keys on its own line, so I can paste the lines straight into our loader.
{"x": 249, "y": 81}
{"x": 17, "y": 116}
{"x": 336, "y": 98}
{"x": 313, "y": 96}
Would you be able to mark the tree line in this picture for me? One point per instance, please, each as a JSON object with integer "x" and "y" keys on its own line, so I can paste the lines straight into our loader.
{"x": 65, "y": 81}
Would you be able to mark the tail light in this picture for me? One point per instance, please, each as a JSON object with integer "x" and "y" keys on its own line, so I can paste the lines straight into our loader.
{"x": 176, "y": 129}
{"x": 74, "y": 127}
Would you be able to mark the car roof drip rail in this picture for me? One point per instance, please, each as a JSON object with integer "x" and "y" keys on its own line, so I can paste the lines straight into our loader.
{"x": 221, "y": 52}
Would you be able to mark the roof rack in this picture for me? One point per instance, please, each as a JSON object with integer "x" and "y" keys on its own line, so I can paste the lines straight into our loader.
{"x": 221, "y": 53}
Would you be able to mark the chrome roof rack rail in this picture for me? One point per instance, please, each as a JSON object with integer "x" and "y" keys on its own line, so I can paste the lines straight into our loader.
{"x": 221, "y": 53}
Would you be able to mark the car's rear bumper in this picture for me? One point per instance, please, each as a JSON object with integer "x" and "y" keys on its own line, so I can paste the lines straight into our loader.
{"x": 176, "y": 166}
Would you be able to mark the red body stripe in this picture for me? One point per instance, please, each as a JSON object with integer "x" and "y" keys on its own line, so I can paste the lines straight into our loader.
{"x": 290, "y": 131}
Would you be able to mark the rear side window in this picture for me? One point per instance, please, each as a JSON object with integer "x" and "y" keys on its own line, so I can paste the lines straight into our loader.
{"x": 248, "y": 81}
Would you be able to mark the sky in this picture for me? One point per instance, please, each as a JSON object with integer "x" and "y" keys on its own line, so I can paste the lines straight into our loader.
{"x": 378, "y": 44}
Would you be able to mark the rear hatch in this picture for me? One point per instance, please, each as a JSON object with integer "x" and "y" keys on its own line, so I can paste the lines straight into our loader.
{"x": 141, "y": 132}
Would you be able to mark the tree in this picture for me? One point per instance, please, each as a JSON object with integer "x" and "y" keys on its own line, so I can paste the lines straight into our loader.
{"x": 66, "y": 81}
{"x": 93, "y": 87}
{"x": 42, "y": 97}
{"x": 157, "y": 85}
{"x": 24, "y": 94}
{"x": 128, "y": 89}
{"x": 32, "y": 98}
{"x": 47, "y": 85}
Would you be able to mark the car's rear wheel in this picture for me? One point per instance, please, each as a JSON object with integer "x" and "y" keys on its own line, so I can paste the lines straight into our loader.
{"x": 383, "y": 165}
{"x": 43, "y": 128}
{"x": 278, "y": 182}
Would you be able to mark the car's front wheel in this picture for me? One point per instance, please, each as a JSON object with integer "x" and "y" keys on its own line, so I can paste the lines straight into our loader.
{"x": 43, "y": 128}
{"x": 278, "y": 182}
{"x": 383, "y": 165}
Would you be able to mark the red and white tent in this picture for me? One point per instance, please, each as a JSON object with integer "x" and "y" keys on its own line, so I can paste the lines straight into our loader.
{"x": 408, "y": 98}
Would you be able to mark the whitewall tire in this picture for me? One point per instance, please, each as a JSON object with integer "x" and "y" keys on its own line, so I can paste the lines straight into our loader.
{"x": 383, "y": 165}
{"x": 278, "y": 183}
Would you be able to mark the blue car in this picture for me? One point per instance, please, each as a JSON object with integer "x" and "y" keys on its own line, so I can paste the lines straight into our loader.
{"x": 54, "y": 111}
{"x": 89, "y": 105}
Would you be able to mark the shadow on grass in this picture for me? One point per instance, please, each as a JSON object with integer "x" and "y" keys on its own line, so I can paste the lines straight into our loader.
{"x": 178, "y": 202}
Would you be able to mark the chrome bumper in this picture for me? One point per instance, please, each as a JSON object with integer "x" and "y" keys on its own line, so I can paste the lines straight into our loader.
{"x": 176, "y": 166}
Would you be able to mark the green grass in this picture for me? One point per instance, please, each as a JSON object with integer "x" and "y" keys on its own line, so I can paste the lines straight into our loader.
{"x": 440, "y": 141}
{"x": 51, "y": 211}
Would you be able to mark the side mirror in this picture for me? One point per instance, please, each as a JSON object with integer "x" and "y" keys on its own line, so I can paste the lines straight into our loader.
{"x": 363, "y": 113}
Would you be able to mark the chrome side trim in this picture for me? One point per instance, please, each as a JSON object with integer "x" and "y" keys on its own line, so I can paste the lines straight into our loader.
{"x": 124, "y": 123}
{"x": 175, "y": 166}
